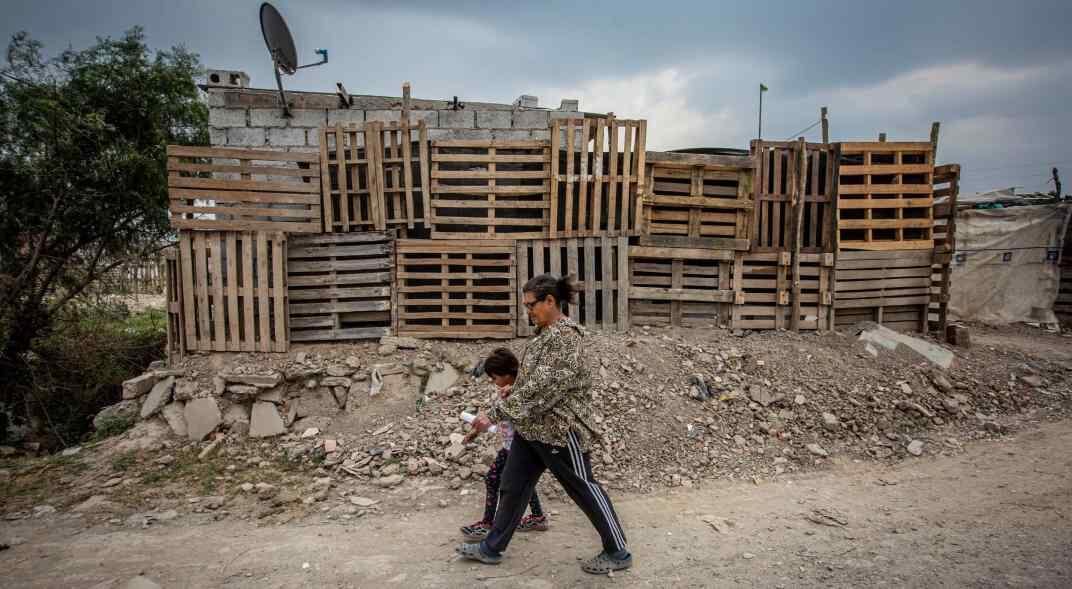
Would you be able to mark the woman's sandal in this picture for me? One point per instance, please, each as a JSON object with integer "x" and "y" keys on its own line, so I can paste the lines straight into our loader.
{"x": 472, "y": 551}
{"x": 604, "y": 563}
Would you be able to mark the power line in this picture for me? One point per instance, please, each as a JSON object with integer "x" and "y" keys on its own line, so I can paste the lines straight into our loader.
{"x": 804, "y": 130}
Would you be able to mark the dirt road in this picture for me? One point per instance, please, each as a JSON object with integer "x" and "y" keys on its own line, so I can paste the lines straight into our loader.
{"x": 997, "y": 515}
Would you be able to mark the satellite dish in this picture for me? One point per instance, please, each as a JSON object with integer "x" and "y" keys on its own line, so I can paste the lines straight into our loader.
{"x": 281, "y": 47}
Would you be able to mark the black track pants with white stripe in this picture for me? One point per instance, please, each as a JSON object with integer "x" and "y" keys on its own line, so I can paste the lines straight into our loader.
{"x": 571, "y": 467}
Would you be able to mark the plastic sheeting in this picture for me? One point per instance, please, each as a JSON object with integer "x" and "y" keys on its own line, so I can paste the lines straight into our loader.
{"x": 1005, "y": 269}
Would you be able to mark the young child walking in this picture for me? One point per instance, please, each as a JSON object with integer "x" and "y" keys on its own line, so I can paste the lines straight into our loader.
{"x": 501, "y": 368}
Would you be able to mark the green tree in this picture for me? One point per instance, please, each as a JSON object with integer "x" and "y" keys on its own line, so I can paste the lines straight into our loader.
{"x": 83, "y": 182}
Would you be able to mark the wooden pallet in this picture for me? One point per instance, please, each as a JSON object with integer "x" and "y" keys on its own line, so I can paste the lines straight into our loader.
{"x": 339, "y": 286}
{"x": 777, "y": 179}
{"x": 234, "y": 295}
{"x": 946, "y": 190}
{"x": 1063, "y": 305}
{"x": 490, "y": 189}
{"x": 761, "y": 284}
{"x": 176, "y": 335}
{"x": 212, "y": 188}
{"x": 386, "y": 184}
{"x": 686, "y": 287}
{"x": 874, "y": 284}
{"x": 599, "y": 265}
{"x": 455, "y": 289}
{"x": 699, "y": 200}
{"x": 885, "y": 196}
{"x": 597, "y": 166}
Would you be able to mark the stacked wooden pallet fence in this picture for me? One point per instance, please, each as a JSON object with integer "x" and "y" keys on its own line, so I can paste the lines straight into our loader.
{"x": 889, "y": 287}
{"x": 778, "y": 178}
{"x": 946, "y": 190}
{"x": 680, "y": 286}
{"x": 490, "y": 189}
{"x": 233, "y": 291}
{"x": 456, "y": 289}
{"x": 375, "y": 177}
{"x": 339, "y": 286}
{"x": 600, "y": 267}
{"x": 597, "y": 166}
{"x": 220, "y": 189}
{"x": 1063, "y": 306}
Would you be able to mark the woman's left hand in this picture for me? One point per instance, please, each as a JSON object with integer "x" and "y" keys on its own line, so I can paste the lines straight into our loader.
{"x": 481, "y": 423}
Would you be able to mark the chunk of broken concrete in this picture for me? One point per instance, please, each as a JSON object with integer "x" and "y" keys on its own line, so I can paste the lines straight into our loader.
{"x": 202, "y": 418}
{"x": 237, "y": 418}
{"x": 265, "y": 421}
{"x": 817, "y": 450}
{"x": 175, "y": 415}
{"x": 185, "y": 389}
{"x": 890, "y": 339}
{"x": 126, "y": 410}
{"x": 264, "y": 381}
{"x": 441, "y": 380}
{"x": 138, "y": 386}
{"x": 158, "y": 397}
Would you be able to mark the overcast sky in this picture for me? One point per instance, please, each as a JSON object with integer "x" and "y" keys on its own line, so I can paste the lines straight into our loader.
{"x": 997, "y": 75}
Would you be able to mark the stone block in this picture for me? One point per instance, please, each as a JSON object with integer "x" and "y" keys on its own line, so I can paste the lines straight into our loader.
{"x": 527, "y": 101}
{"x": 265, "y": 421}
{"x": 434, "y": 134}
{"x": 138, "y": 386}
{"x": 246, "y": 137}
{"x": 202, "y": 418}
{"x": 227, "y": 117}
{"x": 457, "y": 119}
{"x": 511, "y": 134}
{"x": 570, "y": 104}
{"x": 385, "y": 116}
{"x": 430, "y": 117}
{"x": 337, "y": 116}
{"x": 494, "y": 119}
{"x": 565, "y": 114}
{"x": 530, "y": 119}
{"x": 158, "y": 397}
{"x": 286, "y": 137}
{"x": 175, "y": 416}
{"x": 216, "y": 98}
{"x": 541, "y": 134}
{"x": 217, "y": 137}
{"x": 267, "y": 117}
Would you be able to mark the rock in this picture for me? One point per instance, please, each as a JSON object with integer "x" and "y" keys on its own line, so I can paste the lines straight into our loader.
{"x": 210, "y": 449}
{"x": 363, "y": 501}
{"x": 159, "y": 396}
{"x": 246, "y": 487}
{"x": 319, "y": 422}
{"x": 910, "y": 406}
{"x": 126, "y": 410}
{"x": 292, "y": 412}
{"x": 94, "y": 504}
{"x": 202, "y": 418}
{"x": 907, "y": 390}
{"x": 335, "y": 381}
{"x": 273, "y": 395}
{"x": 390, "y": 469}
{"x": 341, "y": 395}
{"x": 387, "y": 349}
{"x": 111, "y": 482}
{"x": 389, "y": 481}
{"x": 434, "y": 467}
{"x": 402, "y": 343}
{"x": 237, "y": 418}
{"x": 339, "y": 370}
{"x": 455, "y": 452}
{"x": 311, "y": 432}
{"x": 141, "y": 582}
{"x": 175, "y": 415}
{"x": 413, "y": 466}
{"x": 831, "y": 422}
{"x": 941, "y": 382}
{"x": 243, "y": 392}
{"x": 264, "y": 381}
{"x": 799, "y": 400}
{"x": 817, "y": 450}
{"x": 1033, "y": 380}
{"x": 265, "y": 421}
{"x": 185, "y": 389}
{"x": 138, "y": 386}
{"x": 441, "y": 380}
{"x": 213, "y": 502}
{"x": 42, "y": 510}
{"x": 915, "y": 448}
{"x": 951, "y": 405}
{"x": 761, "y": 395}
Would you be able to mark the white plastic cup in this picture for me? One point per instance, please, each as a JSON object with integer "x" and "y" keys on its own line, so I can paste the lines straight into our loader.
{"x": 469, "y": 417}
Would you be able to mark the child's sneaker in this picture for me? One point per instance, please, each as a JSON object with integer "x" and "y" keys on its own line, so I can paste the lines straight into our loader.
{"x": 476, "y": 532}
{"x": 533, "y": 523}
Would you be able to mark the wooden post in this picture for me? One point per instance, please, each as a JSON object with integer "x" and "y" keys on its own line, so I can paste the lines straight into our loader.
{"x": 405, "y": 101}
{"x": 826, "y": 124}
{"x": 924, "y": 322}
{"x": 798, "y": 227}
{"x": 934, "y": 141}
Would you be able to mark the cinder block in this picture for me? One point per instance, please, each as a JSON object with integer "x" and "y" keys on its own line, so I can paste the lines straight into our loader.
{"x": 337, "y": 116}
{"x": 312, "y": 138}
{"x": 217, "y": 137}
{"x": 246, "y": 136}
{"x": 430, "y": 117}
{"x": 566, "y": 114}
{"x": 385, "y": 116}
{"x": 286, "y": 137}
{"x": 541, "y": 134}
{"x": 571, "y": 104}
{"x": 227, "y": 117}
{"x": 494, "y": 119}
{"x": 216, "y": 98}
{"x": 267, "y": 117}
{"x": 434, "y": 134}
{"x": 308, "y": 118}
{"x": 530, "y": 119}
{"x": 457, "y": 119}
{"x": 527, "y": 101}
{"x": 511, "y": 134}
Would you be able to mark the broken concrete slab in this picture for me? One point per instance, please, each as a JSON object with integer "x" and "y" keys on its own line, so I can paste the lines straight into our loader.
{"x": 265, "y": 421}
{"x": 159, "y": 396}
{"x": 185, "y": 389}
{"x": 237, "y": 418}
{"x": 202, "y": 418}
{"x": 174, "y": 414}
{"x": 273, "y": 395}
{"x": 264, "y": 381}
{"x": 441, "y": 380}
{"x": 138, "y": 386}
{"x": 887, "y": 338}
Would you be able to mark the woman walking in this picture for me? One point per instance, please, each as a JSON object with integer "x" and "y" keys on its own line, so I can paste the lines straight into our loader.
{"x": 550, "y": 407}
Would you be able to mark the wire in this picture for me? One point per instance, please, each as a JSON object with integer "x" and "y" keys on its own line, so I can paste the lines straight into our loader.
{"x": 804, "y": 130}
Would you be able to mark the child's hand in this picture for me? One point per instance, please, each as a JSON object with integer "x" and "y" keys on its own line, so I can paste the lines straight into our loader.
{"x": 469, "y": 437}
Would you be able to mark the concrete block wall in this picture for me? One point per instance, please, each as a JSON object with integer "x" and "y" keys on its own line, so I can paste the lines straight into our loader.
{"x": 249, "y": 117}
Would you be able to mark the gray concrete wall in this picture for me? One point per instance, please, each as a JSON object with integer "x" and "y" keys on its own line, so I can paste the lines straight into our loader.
{"x": 249, "y": 117}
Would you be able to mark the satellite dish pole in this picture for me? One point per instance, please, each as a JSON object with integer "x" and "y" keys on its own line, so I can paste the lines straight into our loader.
{"x": 281, "y": 47}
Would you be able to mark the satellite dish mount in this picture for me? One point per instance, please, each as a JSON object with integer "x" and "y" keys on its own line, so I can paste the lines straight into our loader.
{"x": 281, "y": 47}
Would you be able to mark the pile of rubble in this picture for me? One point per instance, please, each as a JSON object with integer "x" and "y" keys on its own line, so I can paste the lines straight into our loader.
{"x": 675, "y": 407}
